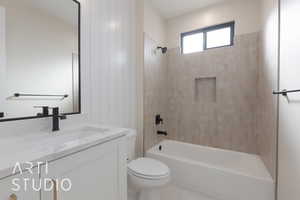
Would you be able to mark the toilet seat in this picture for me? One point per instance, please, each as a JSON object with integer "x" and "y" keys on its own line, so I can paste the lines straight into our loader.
{"x": 148, "y": 168}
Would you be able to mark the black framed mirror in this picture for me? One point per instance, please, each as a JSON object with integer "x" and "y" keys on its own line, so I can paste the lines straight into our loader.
{"x": 39, "y": 58}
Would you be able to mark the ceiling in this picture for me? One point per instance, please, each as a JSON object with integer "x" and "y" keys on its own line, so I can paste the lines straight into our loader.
{"x": 173, "y": 8}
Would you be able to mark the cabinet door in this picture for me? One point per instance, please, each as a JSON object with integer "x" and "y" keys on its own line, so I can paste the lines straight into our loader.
{"x": 25, "y": 192}
{"x": 98, "y": 173}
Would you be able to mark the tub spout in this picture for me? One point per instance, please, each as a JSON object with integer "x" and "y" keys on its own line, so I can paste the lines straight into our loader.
{"x": 162, "y": 133}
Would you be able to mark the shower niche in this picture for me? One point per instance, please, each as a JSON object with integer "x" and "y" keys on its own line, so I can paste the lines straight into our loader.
{"x": 205, "y": 90}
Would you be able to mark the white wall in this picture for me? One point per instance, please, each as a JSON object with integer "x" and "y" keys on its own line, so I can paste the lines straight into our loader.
{"x": 108, "y": 69}
{"x": 113, "y": 64}
{"x": 154, "y": 24}
{"x": 246, "y": 14}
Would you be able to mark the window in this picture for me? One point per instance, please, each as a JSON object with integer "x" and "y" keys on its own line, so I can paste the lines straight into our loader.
{"x": 218, "y": 38}
{"x": 193, "y": 43}
{"x": 208, "y": 38}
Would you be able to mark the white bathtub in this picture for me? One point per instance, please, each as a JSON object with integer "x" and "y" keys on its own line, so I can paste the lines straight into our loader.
{"x": 214, "y": 173}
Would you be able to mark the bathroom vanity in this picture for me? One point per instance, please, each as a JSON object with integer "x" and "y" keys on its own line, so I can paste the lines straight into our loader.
{"x": 92, "y": 158}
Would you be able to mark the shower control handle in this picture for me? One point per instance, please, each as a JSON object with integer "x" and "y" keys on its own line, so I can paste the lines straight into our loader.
{"x": 158, "y": 120}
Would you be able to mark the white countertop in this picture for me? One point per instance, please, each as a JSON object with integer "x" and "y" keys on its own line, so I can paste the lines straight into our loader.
{"x": 42, "y": 147}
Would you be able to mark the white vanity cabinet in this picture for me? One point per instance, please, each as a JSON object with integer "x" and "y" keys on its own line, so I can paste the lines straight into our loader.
{"x": 97, "y": 173}
{"x": 24, "y": 193}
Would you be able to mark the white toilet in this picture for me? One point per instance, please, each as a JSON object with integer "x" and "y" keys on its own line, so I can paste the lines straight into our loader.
{"x": 145, "y": 175}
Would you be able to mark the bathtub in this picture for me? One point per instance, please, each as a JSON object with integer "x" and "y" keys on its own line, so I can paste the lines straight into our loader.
{"x": 215, "y": 174}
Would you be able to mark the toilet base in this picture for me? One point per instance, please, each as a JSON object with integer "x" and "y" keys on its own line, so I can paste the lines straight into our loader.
{"x": 149, "y": 194}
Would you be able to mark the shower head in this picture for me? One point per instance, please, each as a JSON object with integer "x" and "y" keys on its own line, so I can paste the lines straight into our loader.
{"x": 163, "y": 49}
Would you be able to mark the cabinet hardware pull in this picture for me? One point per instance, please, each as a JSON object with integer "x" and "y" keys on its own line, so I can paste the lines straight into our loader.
{"x": 13, "y": 197}
{"x": 54, "y": 189}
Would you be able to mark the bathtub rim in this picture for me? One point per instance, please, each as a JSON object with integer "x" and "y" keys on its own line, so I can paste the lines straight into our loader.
{"x": 153, "y": 150}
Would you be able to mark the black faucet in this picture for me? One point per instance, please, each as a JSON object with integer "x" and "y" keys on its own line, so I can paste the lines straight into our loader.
{"x": 55, "y": 118}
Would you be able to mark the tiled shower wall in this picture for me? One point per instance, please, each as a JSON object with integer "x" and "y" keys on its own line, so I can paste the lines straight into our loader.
{"x": 268, "y": 81}
{"x": 207, "y": 98}
{"x": 266, "y": 127}
{"x": 212, "y": 96}
{"x": 155, "y": 98}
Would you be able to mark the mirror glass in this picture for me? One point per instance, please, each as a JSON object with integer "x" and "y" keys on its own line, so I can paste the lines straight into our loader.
{"x": 39, "y": 57}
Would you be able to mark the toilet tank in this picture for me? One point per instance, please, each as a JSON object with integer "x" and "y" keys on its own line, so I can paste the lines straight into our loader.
{"x": 131, "y": 144}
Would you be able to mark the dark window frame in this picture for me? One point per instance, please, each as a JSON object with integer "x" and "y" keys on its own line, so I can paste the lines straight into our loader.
{"x": 230, "y": 25}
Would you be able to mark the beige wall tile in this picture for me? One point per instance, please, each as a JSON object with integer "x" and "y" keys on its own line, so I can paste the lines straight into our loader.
{"x": 229, "y": 122}
{"x": 155, "y": 99}
{"x": 241, "y": 116}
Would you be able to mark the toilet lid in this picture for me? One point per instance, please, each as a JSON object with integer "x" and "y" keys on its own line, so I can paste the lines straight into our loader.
{"x": 148, "y": 167}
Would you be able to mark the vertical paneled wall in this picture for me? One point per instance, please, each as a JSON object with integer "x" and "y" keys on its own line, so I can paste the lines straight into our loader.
{"x": 116, "y": 75}
{"x": 113, "y": 64}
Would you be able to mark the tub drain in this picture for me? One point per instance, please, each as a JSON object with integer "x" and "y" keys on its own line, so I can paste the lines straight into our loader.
{"x": 160, "y": 147}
